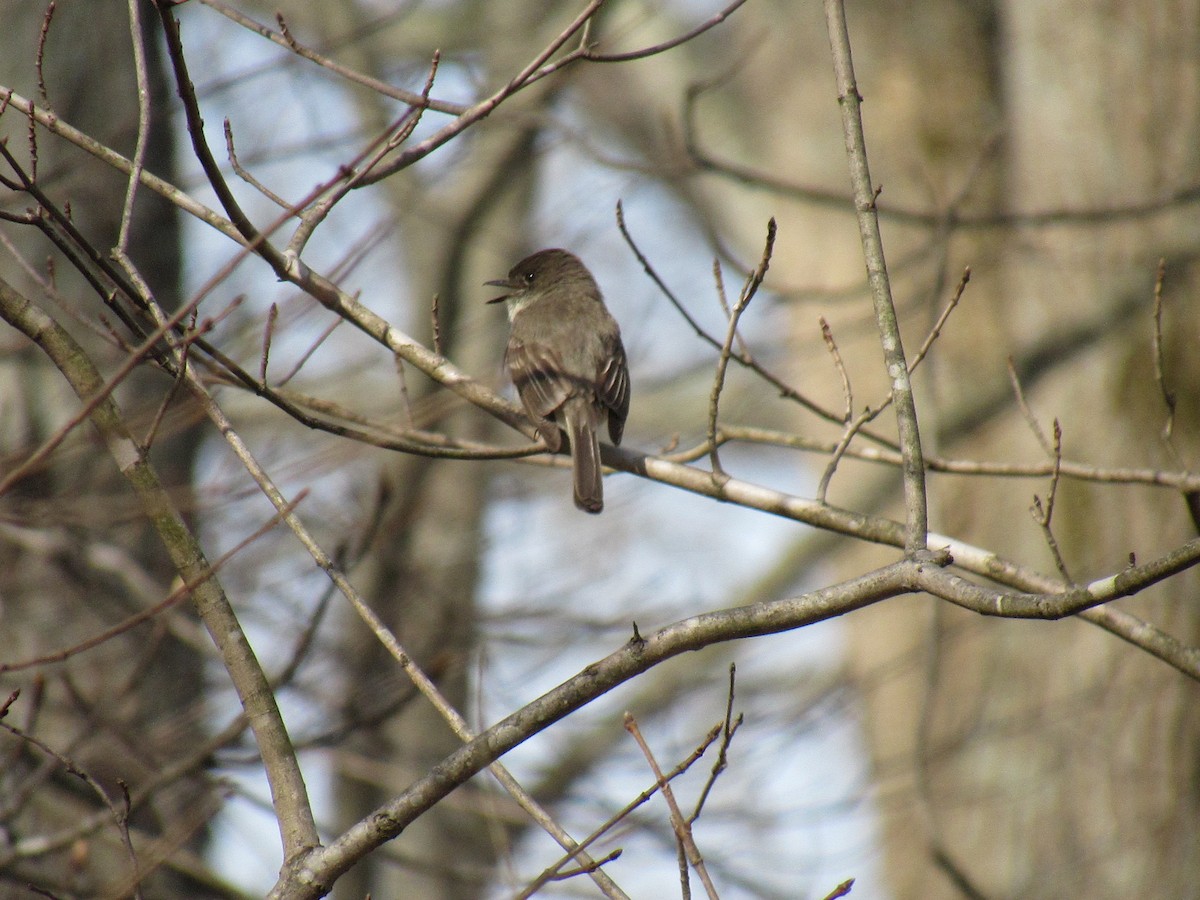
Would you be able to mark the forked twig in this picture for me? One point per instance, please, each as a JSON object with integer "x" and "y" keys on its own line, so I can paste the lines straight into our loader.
{"x": 120, "y": 817}
{"x": 728, "y": 729}
{"x": 357, "y": 174}
{"x": 1043, "y": 514}
{"x": 688, "y": 851}
{"x": 550, "y": 873}
{"x": 749, "y": 289}
{"x": 870, "y": 413}
{"x": 742, "y": 358}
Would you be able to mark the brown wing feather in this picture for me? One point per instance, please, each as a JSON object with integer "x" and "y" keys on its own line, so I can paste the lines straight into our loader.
{"x": 534, "y": 370}
{"x": 613, "y": 379}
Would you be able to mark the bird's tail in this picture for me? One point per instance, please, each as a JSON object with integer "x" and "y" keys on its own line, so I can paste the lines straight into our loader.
{"x": 585, "y": 454}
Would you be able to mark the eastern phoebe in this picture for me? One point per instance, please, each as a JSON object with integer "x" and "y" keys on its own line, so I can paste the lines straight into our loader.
{"x": 566, "y": 359}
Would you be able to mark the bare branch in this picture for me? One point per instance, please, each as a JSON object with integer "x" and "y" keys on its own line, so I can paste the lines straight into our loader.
{"x": 728, "y": 730}
{"x": 913, "y": 470}
{"x": 242, "y": 173}
{"x": 711, "y": 22}
{"x": 1180, "y": 480}
{"x": 120, "y": 817}
{"x": 297, "y": 827}
{"x": 551, "y": 872}
{"x": 40, "y": 58}
{"x": 936, "y": 331}
{"x": 748, "y": 291}
{"x": 907, "y": 575}
{"x": 182, "y": 592}
{"x": 289, "y": 42}
{"x": 137, "y": 34}
{"x": 839, "y": 366}
{"x": 1044, "y": 514}
{"x": 268, "y": 334}
{"x": 742, "y": 358}
{"x": 1030, "y": 418}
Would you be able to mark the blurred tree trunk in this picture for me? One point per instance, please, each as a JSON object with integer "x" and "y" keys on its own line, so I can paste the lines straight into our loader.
{"x": 1025, "y": 760}
{"x": 75, "y": 555}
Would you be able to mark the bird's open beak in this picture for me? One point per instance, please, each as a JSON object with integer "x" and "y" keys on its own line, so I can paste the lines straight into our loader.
{"x": 502, "y": 283}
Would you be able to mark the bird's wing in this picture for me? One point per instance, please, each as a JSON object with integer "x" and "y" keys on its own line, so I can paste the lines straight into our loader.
{"x": 613, "y": 381}
{"x": 536, "y": 370}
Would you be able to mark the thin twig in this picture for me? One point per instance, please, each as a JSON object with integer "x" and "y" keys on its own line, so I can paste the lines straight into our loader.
{"x": 31, "y": 138}
{"x": 268, "y": 335}
{"x": 1043, "y": 514}
{"x": 40, "y": 57}
{"x": 539, "y": 67}
{"x": 357, "y": 172}
{"x": 245, "y": 175}
{"x": 436, "y": 323}
{"x": 1030, "y": 418}
{"x": 550, "y": 872}
{"x": 289, "y": 42}
{"x": 842, "y": 890}
{"x": 741, "y": 358}
{"x": 753, "y": 281}
{"x": 719, "y": 280}
{"x": 852, "y": 428}
{"x": 120, "y": 818}
{"x": 1160, "y": 369}
{"x": 713, "y": 21}
{"x": 160, "y": 414}
{"x": 1190, "y": 497}
{"x": 1179, "y": 480}
{"x": 182, "y": 592}
{"x": 137, "y": 34}
{"x": 689, "y": 852}
{"x": 870, "y": 413}
{"x": 728, "y": 728}
{"x": 935, "y": 332}
{"x": 838, "y": 365}
{"x": 307, "y": 354}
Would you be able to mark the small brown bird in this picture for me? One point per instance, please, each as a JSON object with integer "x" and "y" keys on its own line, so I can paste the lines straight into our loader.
{"x": 566, "y": 359}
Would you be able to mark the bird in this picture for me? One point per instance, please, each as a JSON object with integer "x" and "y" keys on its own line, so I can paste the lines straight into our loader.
{"x": 566, "y": 359}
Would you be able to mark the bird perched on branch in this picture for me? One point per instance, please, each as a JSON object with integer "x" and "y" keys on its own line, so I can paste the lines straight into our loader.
{"x": 566, "y": 359}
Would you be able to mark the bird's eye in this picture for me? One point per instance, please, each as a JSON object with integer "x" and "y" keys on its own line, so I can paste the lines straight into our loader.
{"x": 529, "y": 277}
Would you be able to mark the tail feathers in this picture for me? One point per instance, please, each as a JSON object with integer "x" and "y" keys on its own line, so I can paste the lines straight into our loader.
{"x": 585, "y": 458}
